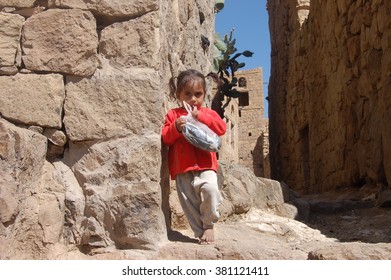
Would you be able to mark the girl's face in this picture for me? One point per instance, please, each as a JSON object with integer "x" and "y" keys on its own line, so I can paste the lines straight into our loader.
{"x": 193, "y": 93}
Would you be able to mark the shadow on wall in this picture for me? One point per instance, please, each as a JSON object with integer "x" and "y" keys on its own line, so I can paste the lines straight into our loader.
{"x": 165, "y": 186}
{"x": 259, "y": 158}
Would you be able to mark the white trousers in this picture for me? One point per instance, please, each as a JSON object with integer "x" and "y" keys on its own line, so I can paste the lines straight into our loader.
{"x": 200, "y": 198}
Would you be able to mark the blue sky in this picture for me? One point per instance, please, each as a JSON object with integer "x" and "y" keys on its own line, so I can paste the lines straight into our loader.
{"x": 250, "y": 20}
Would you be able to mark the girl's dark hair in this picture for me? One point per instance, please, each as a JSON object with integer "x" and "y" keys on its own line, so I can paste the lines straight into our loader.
{"x": 183, "y": 78}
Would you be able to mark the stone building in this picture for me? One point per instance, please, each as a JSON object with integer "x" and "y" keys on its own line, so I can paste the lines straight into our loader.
{"x": 246, "y": 141}
{"x": 229, "y": 151}
{"x": 253, "y": 130}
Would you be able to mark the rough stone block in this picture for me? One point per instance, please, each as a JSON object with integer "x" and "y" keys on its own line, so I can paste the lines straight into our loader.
{"x": 63, "y": 41}
{"x": 111, "y": 103}
{"x": 33, "y": 99}
{"x": 118, "y": 8}
{"x": 10, "y": 27}
{"x": 17, "y": 3}
{"x": 134, "y": 43}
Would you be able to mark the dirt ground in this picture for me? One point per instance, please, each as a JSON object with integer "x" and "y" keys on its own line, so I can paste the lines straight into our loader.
{"x": 367, "y": 225}
{"x": 351, "y": 215}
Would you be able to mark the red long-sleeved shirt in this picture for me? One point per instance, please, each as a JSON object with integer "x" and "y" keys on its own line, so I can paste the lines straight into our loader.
{"x": 182, "y": 156}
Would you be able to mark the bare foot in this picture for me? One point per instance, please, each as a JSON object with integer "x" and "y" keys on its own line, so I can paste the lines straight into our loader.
{"x": 208, "y": 237}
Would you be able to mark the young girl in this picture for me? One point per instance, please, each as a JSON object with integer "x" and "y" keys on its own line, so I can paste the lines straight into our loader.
{"x": 194, "y": 170}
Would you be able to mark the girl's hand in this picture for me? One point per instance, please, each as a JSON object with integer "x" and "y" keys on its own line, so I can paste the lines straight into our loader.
{"x": 180, "y": 123}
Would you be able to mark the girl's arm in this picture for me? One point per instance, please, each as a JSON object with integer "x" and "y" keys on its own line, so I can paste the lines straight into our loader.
{"x": 212, "y": 120}
{"x": 169, "y": 131}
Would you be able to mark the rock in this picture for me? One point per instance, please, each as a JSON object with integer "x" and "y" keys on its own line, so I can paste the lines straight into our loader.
{"x": 10, "y": 27}
{"x": 48, "y": 44}
{"x": 23, "y": 155}
{"x": 9, "y": 206}
{"x": 119, "y": 8}
{"x": 28, "y": 185}
{"x": 353, "y": 251}
{"x": 74, "y": 202}
{"x": 33, "y": 99}
{"x": 17, "y": 3}
{"x": 57, "y": 137}
{"x": 8, "y": 70}
{"x": 122, "y": 191}
{"x": 242, "y": 191}
{"x": 51, "y": 206}
{"x": 119, "y": 102}
{"x": 134, "y": 43}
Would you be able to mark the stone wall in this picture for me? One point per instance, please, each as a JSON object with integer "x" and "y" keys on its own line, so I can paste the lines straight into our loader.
{"x": 84, "y": 91}
{"x": 329, "y": 93}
